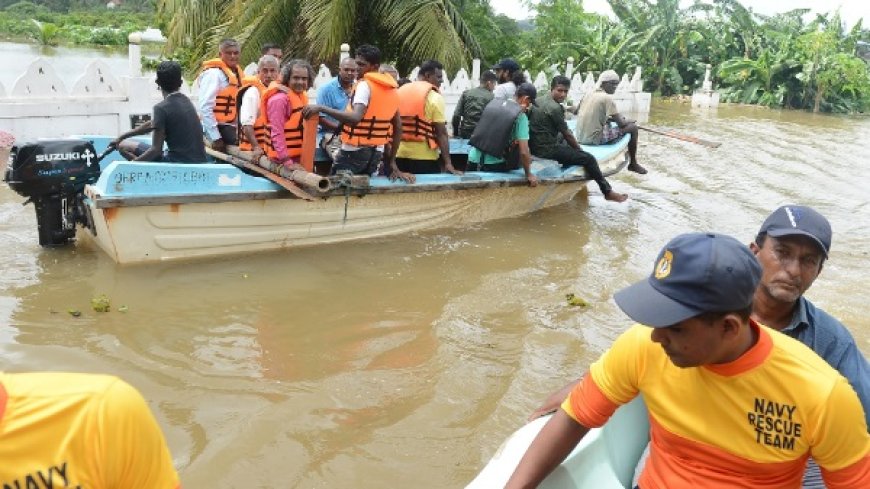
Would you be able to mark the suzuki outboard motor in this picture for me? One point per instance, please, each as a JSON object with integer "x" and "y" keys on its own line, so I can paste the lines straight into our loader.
{"x": 52, "y": 174}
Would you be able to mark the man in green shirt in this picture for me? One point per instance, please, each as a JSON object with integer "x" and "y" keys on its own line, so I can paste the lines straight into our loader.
{"x": 547, "y": 122}
{"x": 471, "y": 104}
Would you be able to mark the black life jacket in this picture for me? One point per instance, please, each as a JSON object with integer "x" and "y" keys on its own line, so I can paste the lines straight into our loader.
{"x": 492, "y": 135}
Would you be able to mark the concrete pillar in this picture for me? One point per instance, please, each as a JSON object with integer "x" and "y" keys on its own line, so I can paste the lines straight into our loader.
{"x": 345, "y": 52}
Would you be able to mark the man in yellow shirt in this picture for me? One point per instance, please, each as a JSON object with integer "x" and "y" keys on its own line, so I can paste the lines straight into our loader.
{"x": 79, "y": 430}
{"x": 425, "y": 147}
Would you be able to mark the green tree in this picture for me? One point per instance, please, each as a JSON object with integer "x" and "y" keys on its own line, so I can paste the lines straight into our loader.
{"x": 499, "y": 36}
{"x": 407, "y": 31}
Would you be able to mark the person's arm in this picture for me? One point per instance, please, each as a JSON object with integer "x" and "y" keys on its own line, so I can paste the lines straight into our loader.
{"x": 444, "y": 147}
{"x": 570, "y": 139}
{"x": 554, "y": 400}
{"x": 248, "y": 113}
{"x": 277, "y": 111}
{"x": 841, "y": 444}
{"x": 155, "y": 152}
{"x": 555, "y": 441}
{"x": 143, "y": 128}
{"x": 393, "y": 170}
{"x": 526, "y": 160}
{"x": 856, "y": 369}
{"x": 350, "y": 118}
{"x": 209, "y": 84}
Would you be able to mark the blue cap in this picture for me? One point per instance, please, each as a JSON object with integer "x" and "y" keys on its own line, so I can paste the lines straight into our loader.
{"x": 693, "y": 274}
{"x": 791, "y": 220}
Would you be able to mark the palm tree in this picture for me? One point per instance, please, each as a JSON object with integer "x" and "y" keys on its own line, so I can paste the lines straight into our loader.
{"x": 407, "y": 31}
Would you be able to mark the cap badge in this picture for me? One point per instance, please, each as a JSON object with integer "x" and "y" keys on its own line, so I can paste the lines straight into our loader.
{"x": 663, "y": 267}
{"x": 793, "y": 216}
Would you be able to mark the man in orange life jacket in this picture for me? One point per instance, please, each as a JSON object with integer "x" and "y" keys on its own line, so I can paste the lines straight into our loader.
{"x": 373, "y": 113}
{"x": 424, "y": 125}
{"x": 253, "y": 126}
{"x": 282, "y": 104}
{"x": 219, "y": 85}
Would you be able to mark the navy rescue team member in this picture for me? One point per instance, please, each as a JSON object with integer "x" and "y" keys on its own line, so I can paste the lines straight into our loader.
{"x": 500, "y": 142}
{"x": 425, "y": 147}
{"x": 731, "y": 403}
{"x": 254, "y": 133}
{"x": 219, "y": 85}
{"x": 174, "y": 121}
{"x": 62, "y": 429}
{"x": 370, "y": 122}
{"x": 547, "y": 122}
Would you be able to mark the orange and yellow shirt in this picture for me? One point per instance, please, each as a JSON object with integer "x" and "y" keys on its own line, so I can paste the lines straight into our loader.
{"x": 751, "y": 423}
{"x": 79, "y": 430}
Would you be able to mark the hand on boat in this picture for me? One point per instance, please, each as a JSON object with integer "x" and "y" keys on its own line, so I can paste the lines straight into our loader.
{"x": 219, "y": 145}
{"x": 407, "y": 177}
{"x": 257, "y": 154}
{"x": 451, "y": 169}
{"x": 533, "y": 180}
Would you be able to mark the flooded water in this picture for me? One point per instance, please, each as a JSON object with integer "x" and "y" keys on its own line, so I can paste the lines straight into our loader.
{"x": 406, "y": 361}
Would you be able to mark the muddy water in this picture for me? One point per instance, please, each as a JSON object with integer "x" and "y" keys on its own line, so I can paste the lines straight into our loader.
{"x": 406, "y": 361}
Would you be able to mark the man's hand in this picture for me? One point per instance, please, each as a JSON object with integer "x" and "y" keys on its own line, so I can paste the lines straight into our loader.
{"x": 256, "y": 154}
{"x": 219, "y": 145}
{"x": 451, "y": 169}
{"x": 115, "y": 143}
{"x": 533, "y": 180}
{"x": 310, "y": 110}
{"x": 397, "y": 174}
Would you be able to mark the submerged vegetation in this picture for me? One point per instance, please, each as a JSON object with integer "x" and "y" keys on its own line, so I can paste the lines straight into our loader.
{"x": 792, "y": 59}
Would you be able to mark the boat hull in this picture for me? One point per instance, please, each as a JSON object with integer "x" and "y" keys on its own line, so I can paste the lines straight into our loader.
{"x": 170, "y": 231}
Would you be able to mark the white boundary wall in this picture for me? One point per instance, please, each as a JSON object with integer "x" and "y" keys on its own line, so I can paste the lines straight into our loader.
{"x": 41, "y": 104}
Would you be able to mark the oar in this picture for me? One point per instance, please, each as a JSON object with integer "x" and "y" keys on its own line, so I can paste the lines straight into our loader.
{"x": 241, "y": 163}
{"x": 682, "y": 137}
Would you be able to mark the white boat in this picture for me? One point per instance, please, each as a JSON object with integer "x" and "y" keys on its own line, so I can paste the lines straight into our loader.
{"x": 604, "y": 459}
{"x": 144, "y": 212}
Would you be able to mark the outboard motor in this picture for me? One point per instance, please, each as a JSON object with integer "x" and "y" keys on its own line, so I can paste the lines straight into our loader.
{"x": 52, "y": 174}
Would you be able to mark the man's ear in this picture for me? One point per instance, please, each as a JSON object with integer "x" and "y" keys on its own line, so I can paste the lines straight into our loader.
{"x": 731, "y": 324}
{"x": 753, "y": 246}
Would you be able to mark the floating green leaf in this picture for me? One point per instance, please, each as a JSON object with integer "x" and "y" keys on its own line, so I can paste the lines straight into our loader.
{"x": 573, "y": 300}
{"x": 101, "y": 303}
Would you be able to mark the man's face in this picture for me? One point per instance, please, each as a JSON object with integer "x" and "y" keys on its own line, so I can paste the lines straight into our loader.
{"x": 789, "y": 266}
{"x": 609, "y": 86}
{"x": 692, "y": 342}
{"x": 230, "y": 55}
{"x": 559, "y": 93}
{"x": 299, "y": 79}
{"x": 434, "y": 77}
{"x": 363, "y": 67}
{"x": 276, "y": 52}
{"x": 347, "y": 71}
{"x": 490, "y": 85}
{"x": 268, "y": 72}
{"x": 502, "y": 75}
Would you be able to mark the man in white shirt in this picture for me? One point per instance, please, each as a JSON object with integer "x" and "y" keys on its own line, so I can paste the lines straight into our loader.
{"x": 253, "y": 129}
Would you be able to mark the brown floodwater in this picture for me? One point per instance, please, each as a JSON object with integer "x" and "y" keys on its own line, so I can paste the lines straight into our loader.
{"x": 407, "y": 361}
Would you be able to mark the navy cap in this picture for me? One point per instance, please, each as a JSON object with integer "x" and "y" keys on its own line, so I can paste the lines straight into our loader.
{"x": 693, "y": 274}
{"x": 507, "y": 64}
{"x": 791, "y": 220}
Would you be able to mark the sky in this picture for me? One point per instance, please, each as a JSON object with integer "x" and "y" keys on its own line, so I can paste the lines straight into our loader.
{"x": 850, "y": 10}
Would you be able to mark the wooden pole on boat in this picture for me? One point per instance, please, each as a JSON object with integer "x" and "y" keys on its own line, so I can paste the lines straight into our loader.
{"x": 682, "y": 137}
{"x": 239, "y": 162}
{"x": 309, "y": 143}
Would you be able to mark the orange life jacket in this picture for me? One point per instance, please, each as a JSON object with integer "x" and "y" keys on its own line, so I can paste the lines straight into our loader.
{"x": 412, "y": 104}
{"x": 261, "y": 124}
{"x": 375, "y": 127}
{"x": 293, "y": 124}
{"x": 225, "y": 101}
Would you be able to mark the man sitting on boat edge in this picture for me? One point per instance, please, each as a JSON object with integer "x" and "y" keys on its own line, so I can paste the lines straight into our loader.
{"x": 173, "y": 121}
{"x": 219, "y": 84}
{"x": 500, "y": 142}
{"x": 370, "y": 122}
{"x": 470, "y": 106}
{"x": 547, "y": 122}
{"x": 599, "y": 122}
{"x": 745, "y": 404}
{"x": 425, "y": 147}
{"x": 254, "y": 132}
